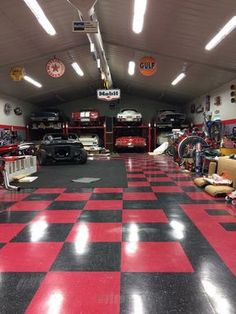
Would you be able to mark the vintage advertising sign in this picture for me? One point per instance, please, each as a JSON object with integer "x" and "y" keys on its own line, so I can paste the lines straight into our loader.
{"x": 55, "y": 68}
{"x": 17, "y": 73}
{"x": 85, "y": 26}
{"x": 108, "y": 94}
{"x": 147, "y": 66}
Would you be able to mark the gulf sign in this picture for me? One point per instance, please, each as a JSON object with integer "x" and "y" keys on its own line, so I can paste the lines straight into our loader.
{"x": 147, "y": 66}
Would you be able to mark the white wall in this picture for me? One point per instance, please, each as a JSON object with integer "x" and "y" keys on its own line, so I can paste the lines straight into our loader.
{"x": 12, "y": 119}
{"x": 227, "y": 109}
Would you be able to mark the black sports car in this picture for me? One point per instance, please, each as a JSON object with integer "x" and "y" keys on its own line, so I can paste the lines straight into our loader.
{"x": 61, "y": 147}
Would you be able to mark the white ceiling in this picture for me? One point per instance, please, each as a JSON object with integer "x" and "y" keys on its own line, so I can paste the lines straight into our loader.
{"x": 175, "y": 33}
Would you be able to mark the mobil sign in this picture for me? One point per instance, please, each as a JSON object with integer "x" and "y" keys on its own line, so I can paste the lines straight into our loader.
{"x": 147, "y": 66}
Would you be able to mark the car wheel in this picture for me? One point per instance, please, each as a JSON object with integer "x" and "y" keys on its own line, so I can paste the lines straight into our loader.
{"x": 81, "y": 158}
{"x": 42, "y": 158}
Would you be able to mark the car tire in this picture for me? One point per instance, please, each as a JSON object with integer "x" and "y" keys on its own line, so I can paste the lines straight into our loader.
{"x": 82, "y": 157}
{"x": 42, "y": 158}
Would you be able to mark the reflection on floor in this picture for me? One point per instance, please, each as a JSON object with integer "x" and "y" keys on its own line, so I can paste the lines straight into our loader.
{"x": 159, "y": 246}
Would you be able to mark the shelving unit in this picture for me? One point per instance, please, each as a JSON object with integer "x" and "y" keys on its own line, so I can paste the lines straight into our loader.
{"x": 100, "y": 130}
{"x": 36, "y": 130}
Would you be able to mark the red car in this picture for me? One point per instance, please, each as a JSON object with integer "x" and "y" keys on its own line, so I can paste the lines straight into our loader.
{"x": 86, "y": 116}
{"x": 130, "y": 142}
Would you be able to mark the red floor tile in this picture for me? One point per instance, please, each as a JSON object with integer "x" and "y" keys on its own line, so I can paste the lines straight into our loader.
{"x": 77, "y": 292}
{"x": 104, "y": 205}
{"x": 73, "y": 197}
{"x": 30, "y": 205}
{"x": 166, "y": 189}
{"x": 133, "y": 196}
{"x": 145, "y": 215}
{"x": 200, "y": 196}
{"x": 154, "y": 172}
{"x": 9, "y": 231}
{"x": 135, "y": 175}
{"x": 95, "y": 232}
{"x": 154, "y": 257}
{"x": 28, "y": 257}
{"x": 138, "y": 183}
{"x": 50, "y": 190}
{"x": 58, "y": 216}
{"x": 108, "y": 190}
{"x": 185, "y": 183}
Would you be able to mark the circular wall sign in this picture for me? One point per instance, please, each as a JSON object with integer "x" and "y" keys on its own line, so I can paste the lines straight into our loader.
{"x": 17, "y": 73}
{"x": 147, "y": 66}
{"x": 55, "y": 68}
{"x": 7, "y": 108}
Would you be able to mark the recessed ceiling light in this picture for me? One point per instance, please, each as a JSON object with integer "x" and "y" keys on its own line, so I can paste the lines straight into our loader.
{"x": 41, "y": 17}
{"x": 138, "y": 17}
{"x": 131, "y": 68}
{"x": 32, "y": 81}
{"x": 77, "y": 69}
{"x": 225, "y": 31}
{"x": 178, "y": 79}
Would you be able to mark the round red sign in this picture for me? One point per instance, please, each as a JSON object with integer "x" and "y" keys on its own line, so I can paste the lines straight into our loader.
{"x": 147, "y": 66}
{"x": 55, "y": 68}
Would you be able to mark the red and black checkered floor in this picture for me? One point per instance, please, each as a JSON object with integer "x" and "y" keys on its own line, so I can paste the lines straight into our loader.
{"x": 159, "y": 246}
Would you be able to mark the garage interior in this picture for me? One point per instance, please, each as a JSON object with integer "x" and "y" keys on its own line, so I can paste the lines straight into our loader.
{"x": 117, "y": 156}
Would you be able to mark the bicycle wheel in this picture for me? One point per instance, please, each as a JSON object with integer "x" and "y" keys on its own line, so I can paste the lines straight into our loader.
{"x": 186, "y": 147}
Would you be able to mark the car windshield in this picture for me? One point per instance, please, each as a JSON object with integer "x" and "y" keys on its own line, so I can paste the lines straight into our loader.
{"x": 123, "y": 110}
{"x": 51, "y": 137}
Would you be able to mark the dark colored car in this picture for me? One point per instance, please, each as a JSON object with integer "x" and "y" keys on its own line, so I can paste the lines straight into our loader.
{"x": 61, "y": 147}
{"x": 86, "y": 116}
{"x": 171, "y": 116}
{"x": 45, "y": 116}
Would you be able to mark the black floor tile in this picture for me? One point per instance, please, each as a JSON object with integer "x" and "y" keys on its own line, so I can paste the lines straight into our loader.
{"x": 17, "y": 216}
{"x": 150, "y": 232}
{"x": 101, "y": 216}
{"x": 106, "y": 196}
{"x": 174, "y": 197}
{"x": 141, "y": 204}
{"x": 181, "y": 178}
{"x": 2, "y": 245}
{"x": 191, "y": 189}
{"x": 217, "y": 212}
{"x": 57, "y": 205}
{"x": 17, "y": 290}
{"x": 91, "y": 257}
{"x": 52, "y": 233}
{"x": 138, "y": 189}
{"x": 229, "y": 226}
{"x": 41, "y": 197}
{"x": 78, "y": 190}
{"x": 5, "y": 205}
{"x": 154, "y": 293}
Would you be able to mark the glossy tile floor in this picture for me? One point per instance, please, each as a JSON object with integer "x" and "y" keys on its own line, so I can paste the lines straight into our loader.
{"x": 159, "y": 246}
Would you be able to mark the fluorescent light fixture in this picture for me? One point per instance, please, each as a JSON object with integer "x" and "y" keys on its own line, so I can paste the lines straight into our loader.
{"x": 92, "y": 47}
{"x": 98, "y": 63}
{"x": 32, "y": 81}
{"x": 41, "y": 17}
{"x": 178, "y": 78}
{"x": 139, "y": 12}
{"x": 77, "y": 69}
{"x": 225, "y": 31}
{"x": 131, "y": 68}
